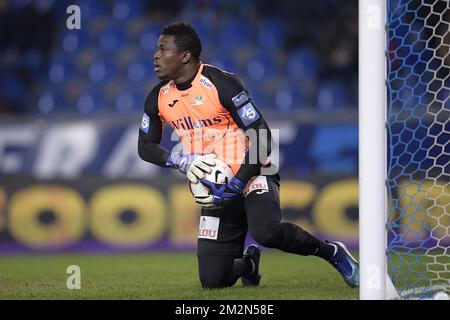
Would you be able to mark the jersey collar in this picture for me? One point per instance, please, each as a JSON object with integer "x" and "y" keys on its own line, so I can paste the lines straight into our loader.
{"x": 186, "y": 85}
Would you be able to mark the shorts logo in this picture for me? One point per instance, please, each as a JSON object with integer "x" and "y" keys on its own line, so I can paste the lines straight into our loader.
{"x": 248, "y": 114}
{"x": 258, "y": 184}
{"x": 209, "y": 227}
{"x": 240, "y": 98}
{"x": 145, "y": 124}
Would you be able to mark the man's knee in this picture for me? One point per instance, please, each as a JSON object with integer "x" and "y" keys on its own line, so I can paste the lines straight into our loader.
{"x": 214, "y": 283}
{"x": 264, "y": 219}
{"x": 265, "y": 237}
{"x": 213, "y": 279}
{"x": 216, "y": 271}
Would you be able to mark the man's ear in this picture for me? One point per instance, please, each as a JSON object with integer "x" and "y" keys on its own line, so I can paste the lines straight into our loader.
{"x": 187, "y": 55}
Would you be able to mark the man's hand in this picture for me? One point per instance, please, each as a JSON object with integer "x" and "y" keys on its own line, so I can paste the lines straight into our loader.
{"x": 221, "y": 194}
{"x": 194, "y": 166}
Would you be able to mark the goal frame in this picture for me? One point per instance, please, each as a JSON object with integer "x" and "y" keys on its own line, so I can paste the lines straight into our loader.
{"x": 372, "y": 151}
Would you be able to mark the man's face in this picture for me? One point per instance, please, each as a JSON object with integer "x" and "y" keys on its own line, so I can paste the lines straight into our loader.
{"x": 167, "y": 59}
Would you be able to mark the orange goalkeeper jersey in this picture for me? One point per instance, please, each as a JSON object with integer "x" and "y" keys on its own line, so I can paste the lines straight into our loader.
{"x": 208, "y": 113}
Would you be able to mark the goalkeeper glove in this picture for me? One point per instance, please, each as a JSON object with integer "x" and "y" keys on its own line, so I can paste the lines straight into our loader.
{"x": 221, "y": 194}
{"x": 194, "y": 166}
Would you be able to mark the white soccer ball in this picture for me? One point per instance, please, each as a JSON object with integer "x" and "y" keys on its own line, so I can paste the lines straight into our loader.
{"x": 221, "y": 173}
{"x": 441, "y": 296}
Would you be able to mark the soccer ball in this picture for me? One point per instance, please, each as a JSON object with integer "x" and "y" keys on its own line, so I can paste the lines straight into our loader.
{"x": 441, "y": 296}
{"x": 221, "y": 173}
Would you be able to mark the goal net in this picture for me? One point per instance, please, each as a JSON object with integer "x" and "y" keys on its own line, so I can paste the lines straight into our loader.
{"x": 418, "y": 146}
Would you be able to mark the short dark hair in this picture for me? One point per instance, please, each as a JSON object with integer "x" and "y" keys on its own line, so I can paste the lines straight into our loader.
{"x": 186, "y": 38}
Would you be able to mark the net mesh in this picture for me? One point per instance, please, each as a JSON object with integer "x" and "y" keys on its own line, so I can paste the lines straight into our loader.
{"x": 418, "y": 87}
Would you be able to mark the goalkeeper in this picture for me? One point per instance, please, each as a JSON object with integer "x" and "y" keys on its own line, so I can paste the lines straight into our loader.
{"x": 205, "y": 105}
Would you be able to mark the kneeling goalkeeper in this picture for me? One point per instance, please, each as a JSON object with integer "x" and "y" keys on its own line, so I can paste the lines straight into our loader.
{"x": 206, "y": 106}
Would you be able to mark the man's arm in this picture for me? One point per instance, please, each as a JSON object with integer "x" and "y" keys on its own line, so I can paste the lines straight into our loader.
{"x": 150, "y": 132}
{"x": 149, "y": 149}
{"x": 236, "y": 99}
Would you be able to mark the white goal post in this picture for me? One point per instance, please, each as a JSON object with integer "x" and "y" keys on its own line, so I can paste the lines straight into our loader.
{"x": 404, "y": 149}
{"x": 372, "y": 149}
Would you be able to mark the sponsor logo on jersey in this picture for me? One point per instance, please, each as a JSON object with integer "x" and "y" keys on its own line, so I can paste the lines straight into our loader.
{"x": 145, "y": 123}
{"x": 248, "y": 114}
{"x": 198, "y": 101}
{"x": 209, "y": 227}
{"x": 204, "y": 81}
{"x": 166, "y": 88}
{"x": 173, "y": 103}
{"x": 258, "y": 184}
{"x": 240, "y": 98}
{"x": 189, "y": 124}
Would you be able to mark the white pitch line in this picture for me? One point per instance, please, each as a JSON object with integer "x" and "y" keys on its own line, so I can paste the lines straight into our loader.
{"x": 407, "y": 293}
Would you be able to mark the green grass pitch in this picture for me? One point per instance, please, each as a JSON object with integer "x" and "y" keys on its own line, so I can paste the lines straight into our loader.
{"x": 164, "y": 276}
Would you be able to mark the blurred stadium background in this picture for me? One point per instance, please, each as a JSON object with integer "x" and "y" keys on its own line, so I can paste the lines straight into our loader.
{"x": 71, "y": 103}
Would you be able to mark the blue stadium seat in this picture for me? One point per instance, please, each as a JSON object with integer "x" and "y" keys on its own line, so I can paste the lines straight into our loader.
{"x": 112, "y": 39}
{"x": 96, "y": 26}
{"x": 261, "y": 66}
{"x": 271, "y": 33}
{"x": 91, "y": 101}
{"x": 331, "y": 95}
{"x": 17, "y": 4}
{"x": 129, "y": 100}
{"x": 101, "y": 70}
{"x": 51, "y": 101}
{"x": 74, "y": 40}
{"x": 60, "y": 10}
{"x": 149, "y": 37}
{"x": 302, "y": 64}
{"x": 13, "y": 88}
{"x": 31, "y": 60}
{"x": 60, "y": 69}
{"x": 83, "y": 59}
{"x": 141, "y": 69}
{"x": 225, "y": 64}
{"x": 289, "y": 97}
{"x": 123, "y": 10}
{"x": 91, "y": 9}
{"x": 257, "y": 93}
{"x": 137, "y": 71}
{"x": 204, "y": 29}
{"x": 233, "y": 34}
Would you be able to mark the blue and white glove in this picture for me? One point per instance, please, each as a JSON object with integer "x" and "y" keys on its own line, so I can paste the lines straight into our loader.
{"x": 221, "y": 194}
{"x": 194, "y": 166}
